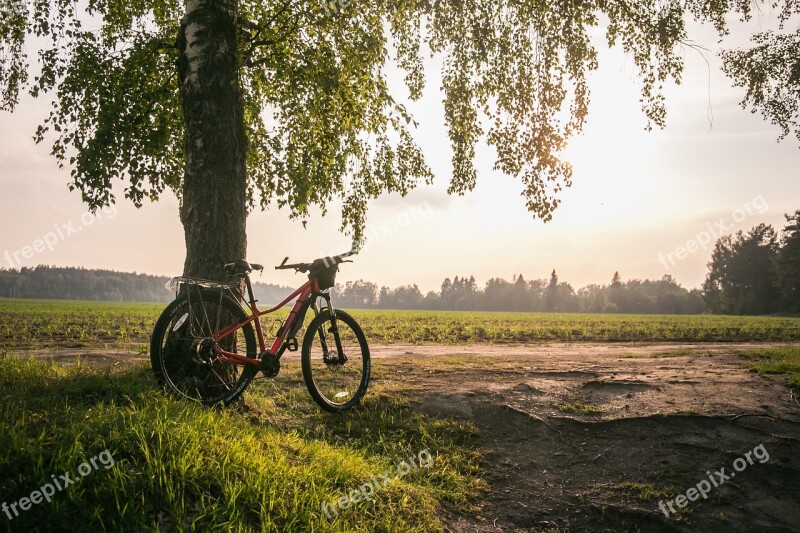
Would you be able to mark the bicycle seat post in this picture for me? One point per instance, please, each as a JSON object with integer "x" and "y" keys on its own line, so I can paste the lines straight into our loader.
{"x": 249, "y": 288}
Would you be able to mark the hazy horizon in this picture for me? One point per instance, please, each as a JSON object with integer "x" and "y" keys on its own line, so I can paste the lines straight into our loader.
{"x": 637, "y": 197}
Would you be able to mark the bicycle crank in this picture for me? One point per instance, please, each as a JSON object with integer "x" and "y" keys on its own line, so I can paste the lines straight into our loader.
{"x": 270, "y": 365}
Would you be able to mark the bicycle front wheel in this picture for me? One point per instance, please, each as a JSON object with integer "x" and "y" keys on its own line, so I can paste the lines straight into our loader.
{"x": 335, "y": 361}
{"x": 182, "y": 348}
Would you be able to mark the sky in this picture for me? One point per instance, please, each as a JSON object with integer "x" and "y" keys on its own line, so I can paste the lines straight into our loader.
{"x": 642, "y": 203}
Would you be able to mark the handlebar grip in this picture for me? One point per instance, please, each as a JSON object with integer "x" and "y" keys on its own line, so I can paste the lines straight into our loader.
{"x": 284, "y": 262}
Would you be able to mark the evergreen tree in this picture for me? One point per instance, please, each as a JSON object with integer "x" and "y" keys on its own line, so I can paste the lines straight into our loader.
{"x": 788, "y": 262}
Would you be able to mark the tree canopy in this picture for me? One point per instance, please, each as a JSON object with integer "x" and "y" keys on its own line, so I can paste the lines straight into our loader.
{"x": 321, "y": 119}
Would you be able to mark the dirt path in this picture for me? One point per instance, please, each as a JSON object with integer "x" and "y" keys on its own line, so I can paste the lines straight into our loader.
{"x": 587, "y": 437}
{"x": 568, "y": 352}
{"x": 593, "y": 437}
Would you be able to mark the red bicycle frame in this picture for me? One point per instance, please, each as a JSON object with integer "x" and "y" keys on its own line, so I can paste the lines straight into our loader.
{"x": 309, "y": 289}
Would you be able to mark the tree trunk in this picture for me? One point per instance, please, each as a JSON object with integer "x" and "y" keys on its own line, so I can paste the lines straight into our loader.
{"x": 213, "y": 210}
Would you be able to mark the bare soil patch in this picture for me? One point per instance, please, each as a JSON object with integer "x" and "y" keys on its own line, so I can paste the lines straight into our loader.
{"x": 593, "y": 437}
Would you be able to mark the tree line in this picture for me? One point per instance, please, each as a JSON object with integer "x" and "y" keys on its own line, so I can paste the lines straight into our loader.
{"x": 71, "y": 283}
{"x": 753, "y": 273}
{"x": 462, "y": 293}
{"x": 757, "y": 272}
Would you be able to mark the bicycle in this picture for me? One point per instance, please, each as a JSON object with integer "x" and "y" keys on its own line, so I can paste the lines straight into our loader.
{"x": 204, "y": 347}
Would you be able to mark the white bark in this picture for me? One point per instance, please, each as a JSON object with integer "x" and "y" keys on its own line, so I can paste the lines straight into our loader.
{"x": 194, "y": 46}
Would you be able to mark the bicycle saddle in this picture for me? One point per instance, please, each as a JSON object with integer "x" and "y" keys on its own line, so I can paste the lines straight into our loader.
{"x": 240, "y": 266}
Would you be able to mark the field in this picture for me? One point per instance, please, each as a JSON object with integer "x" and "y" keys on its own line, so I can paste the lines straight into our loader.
{"x": 525, "y": 432}
{"x": 28, "y": 323}
{"x": 483, "y": 327}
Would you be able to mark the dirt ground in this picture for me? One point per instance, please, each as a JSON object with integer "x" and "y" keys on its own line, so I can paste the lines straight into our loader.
{"x": 592, "y": 437}
{"x": 584, "y": 437}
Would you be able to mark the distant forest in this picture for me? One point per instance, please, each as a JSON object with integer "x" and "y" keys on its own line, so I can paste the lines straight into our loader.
{"x": 757, "y": 272}
{"x": 72, "y": 283}
{"x": 753, "y": 273}
{"x": 634, "y": 296}
{"x": 663, "y": 296}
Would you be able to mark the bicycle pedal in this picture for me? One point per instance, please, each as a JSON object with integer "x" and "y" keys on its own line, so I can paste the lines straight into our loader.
{"x": 291, "y": 344}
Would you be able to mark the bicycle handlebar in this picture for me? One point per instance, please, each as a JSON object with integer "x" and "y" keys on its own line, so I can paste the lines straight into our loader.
{"x": 327, "y": 261}
{"x": 298, "y": 266}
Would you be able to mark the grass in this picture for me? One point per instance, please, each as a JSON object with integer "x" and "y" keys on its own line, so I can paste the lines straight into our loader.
{"x": 579, "y": 408}
{"x": 267, "y": 466}
{"x": 76, "y": 324}
{"x": 646, "y": 492}
{"x": 782, "y": 360}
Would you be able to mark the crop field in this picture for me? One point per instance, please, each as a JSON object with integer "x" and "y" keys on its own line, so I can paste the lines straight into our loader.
{"x": 25, "y": 323}
{"x": 449, "y": 327}
{"x": 75, "y": 324}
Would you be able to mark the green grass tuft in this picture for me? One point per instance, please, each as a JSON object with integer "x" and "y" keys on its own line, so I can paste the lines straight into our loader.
{"x": 646, "y": 492}
{"x": 580, "y": 408}
{"x": 783, "y": 360}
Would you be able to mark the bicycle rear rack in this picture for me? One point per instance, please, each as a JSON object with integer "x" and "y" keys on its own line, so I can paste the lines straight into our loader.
{"x": 189, "y": 285}
{"x": 174, "y": 285}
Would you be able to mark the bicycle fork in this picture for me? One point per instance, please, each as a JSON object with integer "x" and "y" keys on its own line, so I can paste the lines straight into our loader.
{"x": 342, "y": 358}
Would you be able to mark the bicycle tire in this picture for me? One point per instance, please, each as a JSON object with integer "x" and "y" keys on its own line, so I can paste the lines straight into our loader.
{"x": 172, "y": 344}
{"x": 325, "y": 379}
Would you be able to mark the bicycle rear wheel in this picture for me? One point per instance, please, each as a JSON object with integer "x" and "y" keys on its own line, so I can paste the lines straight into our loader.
{"x": 336, "y": 374}
{"x": 182, "y": 348}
